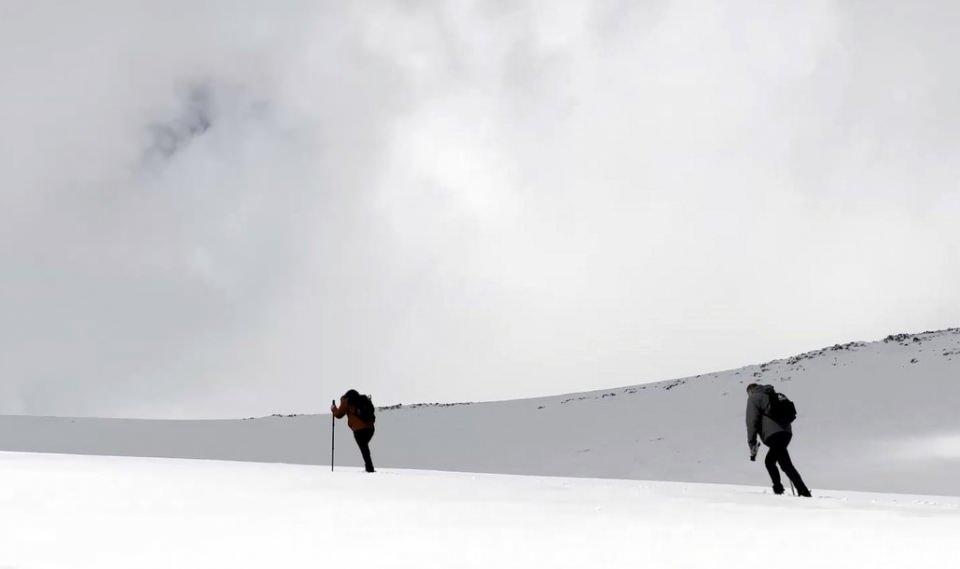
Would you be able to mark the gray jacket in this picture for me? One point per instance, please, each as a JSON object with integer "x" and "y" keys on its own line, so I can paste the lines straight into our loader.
{"x": 759, "y": 422}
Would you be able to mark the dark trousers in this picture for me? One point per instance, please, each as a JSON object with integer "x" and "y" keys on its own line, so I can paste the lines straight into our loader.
{"x": 363, "y": 436}
{"x": 778, "y": 455}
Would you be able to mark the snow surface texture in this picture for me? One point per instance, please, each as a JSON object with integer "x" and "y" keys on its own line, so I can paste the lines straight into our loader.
{"x": 879, "y": 416}
{"x": 105, "y": 512}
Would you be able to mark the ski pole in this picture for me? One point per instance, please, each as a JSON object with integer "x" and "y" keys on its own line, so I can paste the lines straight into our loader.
{"x": 333, "y": 429}
{"x": 792, "y": 491}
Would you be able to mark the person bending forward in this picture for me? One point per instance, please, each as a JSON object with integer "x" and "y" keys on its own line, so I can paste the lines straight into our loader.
{"x": 775, "y": 435}
{"x": 361, "y": 416}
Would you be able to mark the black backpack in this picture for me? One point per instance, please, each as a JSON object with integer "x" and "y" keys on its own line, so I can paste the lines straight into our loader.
{"x": 782, "y": 410}
{"x": 365, "y": 409}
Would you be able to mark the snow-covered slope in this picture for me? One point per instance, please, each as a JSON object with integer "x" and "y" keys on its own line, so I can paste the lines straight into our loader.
{"x": 102, "y": 512}
{"x": 879, "y": 416}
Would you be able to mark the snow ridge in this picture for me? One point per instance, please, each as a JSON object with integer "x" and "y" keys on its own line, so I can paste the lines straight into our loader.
{"x": 873, "y": 416}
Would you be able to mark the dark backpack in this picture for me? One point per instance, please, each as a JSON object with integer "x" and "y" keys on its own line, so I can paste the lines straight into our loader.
{"x": 363, "y": 406}
{"x": 782, "y": 410}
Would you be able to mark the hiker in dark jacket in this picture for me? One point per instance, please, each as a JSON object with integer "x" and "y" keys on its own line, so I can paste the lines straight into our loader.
{"x": 360, "y": 418}
{"x": 776, "y": 436}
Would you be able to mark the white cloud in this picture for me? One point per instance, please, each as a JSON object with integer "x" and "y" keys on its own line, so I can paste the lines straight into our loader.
{"x": 231, "y": 209}
{"x": 937, "y": 447}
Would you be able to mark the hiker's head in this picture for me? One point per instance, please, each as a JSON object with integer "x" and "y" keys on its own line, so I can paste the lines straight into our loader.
{"x": 753, "y": 387}
{"x": 351, "y": 396}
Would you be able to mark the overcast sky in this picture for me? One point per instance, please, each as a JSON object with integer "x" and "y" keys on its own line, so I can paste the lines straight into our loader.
{"x": 224, "y": 208}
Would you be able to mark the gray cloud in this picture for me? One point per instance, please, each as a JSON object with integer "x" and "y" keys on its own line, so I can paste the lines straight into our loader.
{"x": 233, "y": 209}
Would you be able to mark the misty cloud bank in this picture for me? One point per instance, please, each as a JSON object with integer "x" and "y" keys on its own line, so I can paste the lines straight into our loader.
{"x": 231, "y": 209}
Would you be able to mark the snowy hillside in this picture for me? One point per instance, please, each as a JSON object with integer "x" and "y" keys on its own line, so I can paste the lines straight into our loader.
{"x": 878, "y": 416}
{"x": 104, "y": 512}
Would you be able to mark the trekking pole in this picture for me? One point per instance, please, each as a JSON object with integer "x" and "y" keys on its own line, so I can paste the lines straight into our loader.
{"x": 792, "y": 491}
{"x": 333, "y": 430}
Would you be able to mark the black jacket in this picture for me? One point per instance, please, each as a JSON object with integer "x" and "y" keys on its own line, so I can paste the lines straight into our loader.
{"x": 759, "y": 422}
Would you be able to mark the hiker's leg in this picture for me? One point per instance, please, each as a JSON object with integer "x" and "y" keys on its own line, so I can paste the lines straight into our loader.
{"x": 787, "y": 465}
{"x": 363, "y": 437}
{"x": 773, "y": 454}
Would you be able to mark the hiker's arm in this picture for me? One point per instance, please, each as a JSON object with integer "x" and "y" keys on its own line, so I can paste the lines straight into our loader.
{"x": 754, "y": 416}
{"x": 340, "y": 411}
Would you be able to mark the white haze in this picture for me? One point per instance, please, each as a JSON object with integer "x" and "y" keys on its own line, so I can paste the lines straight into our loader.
{"x": 235, "y": 208}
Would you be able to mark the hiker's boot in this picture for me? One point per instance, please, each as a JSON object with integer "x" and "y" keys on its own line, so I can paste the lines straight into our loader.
{"x": 778, "y": 489}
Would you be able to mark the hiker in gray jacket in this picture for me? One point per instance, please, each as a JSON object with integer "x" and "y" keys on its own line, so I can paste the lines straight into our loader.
{"x": 776, "y": 435}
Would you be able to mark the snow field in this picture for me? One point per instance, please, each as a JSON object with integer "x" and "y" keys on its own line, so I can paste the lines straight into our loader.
{"x": 876, "y": 417}
{"x": 106, "y": 512}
